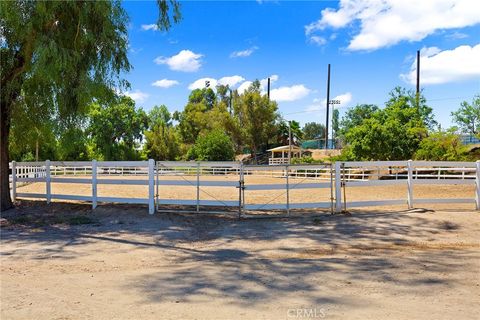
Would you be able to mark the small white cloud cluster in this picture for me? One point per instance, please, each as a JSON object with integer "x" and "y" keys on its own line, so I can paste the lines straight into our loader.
{"x": 243, "y": 53}
{"x": 165, "y": 83}
{"x": 185, "y": 61}
{"x": 385, "y": 23}
{"x": 147, "y": 27}
{"x": 437, "y": 66}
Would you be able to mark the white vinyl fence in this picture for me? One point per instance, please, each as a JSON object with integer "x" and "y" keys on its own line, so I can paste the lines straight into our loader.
{"x": 205, "y": 182}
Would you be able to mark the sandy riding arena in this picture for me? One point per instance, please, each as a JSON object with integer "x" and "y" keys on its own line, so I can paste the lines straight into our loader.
{"x": 65, "y": 261}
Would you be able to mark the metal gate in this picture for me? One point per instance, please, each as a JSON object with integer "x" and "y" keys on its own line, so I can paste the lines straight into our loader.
{"x": 198, "y": 186}
{"x": 281, "y": 189}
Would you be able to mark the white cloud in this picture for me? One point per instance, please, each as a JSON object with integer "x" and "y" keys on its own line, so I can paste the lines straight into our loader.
{"x": 244, "y": 86}
{"x": 147, "y": 27}
{"x": 438, "y": 66}
{"x": 291, "y": 93}
{"x": 243, "y": 53}
{"x": 137, "y": 95}
{"x": 264, "y": 82}
{"x": 231, "y": 81}
{"x": 165, "y": 83}
{"x": 385, "y": 23}
{"x": 319, "y": 104}
{"x": 200, "y": 83}
{"x": 185, "y": 60}
{"x": 319, "y": 41}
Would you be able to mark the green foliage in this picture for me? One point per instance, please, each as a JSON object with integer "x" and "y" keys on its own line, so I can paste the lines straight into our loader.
{"x": 159, "y": 115}
{"x": 282, "y": 132}
{"x": 468, "y": 116}
{"x": 393, "y": 133}
{"x": 304, "y": 160}
{"x": 442, "y": 146}
{"x": 256, "y": 118}
{"x": 313, "y": 130}
{"x": 116, "y": 129}
{"x": 214, "y": 146}
{"x": 162, "y": 143}
{"x": 355, "y": 117}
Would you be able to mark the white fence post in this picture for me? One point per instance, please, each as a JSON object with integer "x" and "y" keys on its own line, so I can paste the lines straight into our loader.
{"x": 151, "y": 186}
{"x": 338, "y": 188}
{"x": 198, "y": 186}
{"x": 94, "y": 184}
{"x": 48, "y": 181}
{"x": 477, "y": 184}
{"x": 410, "y": 184}
{"x": 14, "y": 181}
{"x": 288, "y": 189}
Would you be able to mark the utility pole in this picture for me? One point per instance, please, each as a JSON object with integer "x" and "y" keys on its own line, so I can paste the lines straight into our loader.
{"x": 418, "y": 80}
{"x": 268, "y": 89}
{"x": 328, "y": 104}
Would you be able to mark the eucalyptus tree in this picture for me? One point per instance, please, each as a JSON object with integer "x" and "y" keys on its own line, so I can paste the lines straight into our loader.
{"x": 64, "y": 53}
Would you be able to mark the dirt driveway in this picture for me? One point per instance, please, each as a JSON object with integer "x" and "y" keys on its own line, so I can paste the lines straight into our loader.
{"x": 62, "y": 261}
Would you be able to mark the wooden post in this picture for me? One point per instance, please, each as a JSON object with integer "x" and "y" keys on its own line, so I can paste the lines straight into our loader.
{"x": 151, "y": 186}
{"x": 410, "y": 184}
{"x": 14, "y": 181}
{"x": 338, "y": 188}
{"x": 94, "y": 184}
{"x": 477, "y": 184}
{"x": 48, "y": 181}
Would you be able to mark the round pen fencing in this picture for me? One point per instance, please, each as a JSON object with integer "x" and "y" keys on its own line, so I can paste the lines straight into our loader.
{"x": 246, "y": 190}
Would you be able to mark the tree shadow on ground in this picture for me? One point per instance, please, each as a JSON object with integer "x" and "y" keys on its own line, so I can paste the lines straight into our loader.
{"x": 257, "y": 260}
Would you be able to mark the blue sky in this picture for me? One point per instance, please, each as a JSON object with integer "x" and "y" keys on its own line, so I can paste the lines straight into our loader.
{"x": 371, "y": 47}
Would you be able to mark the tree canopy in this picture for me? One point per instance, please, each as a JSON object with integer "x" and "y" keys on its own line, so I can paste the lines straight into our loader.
{"x": 60, "y": 56}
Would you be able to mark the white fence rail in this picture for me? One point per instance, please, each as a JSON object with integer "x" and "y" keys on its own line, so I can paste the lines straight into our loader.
{"x": 172, "y": 174}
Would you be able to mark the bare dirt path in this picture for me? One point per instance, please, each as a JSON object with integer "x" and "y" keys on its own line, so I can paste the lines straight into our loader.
{"x": 128, "y": 265}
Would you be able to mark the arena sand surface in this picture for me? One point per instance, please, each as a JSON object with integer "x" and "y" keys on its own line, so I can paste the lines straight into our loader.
{"x": 372, "y": 264}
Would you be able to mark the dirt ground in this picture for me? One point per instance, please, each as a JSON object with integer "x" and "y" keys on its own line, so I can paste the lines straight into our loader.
{"x": 125, "y": 264}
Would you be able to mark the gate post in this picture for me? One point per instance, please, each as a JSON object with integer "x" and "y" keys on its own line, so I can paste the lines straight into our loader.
{"x": 94, "y": 184}
{"x": 287, "y": 173}
{"x": 477, "y": 184}
{"x": 151, "y": 188}
{"x": 14, "y": 181}
{"x": 240, "y": 191}
{"x": 338, "y": 187}
{"x": 198, "y": 186}
{"x": 410, "y": 184}
{"x": 48, "y": 180}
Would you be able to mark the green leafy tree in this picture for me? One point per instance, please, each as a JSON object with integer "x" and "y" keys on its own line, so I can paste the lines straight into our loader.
{"x": 159, "y": 115}
{"x": 442, "y": 146}
{"x": 116, "y": 128}
{"x": 392, "y": 133}
{"x": 162, "y": 143}
{"x": 257, "y": 117}
{"x": 335, "y": 121}
{"x": 313, "y": 130}
{"x": 468, "y": 116}
{"x": 355, "y": 117}
{"x": 214, "y": 146}
{"x": 64, "y": 53}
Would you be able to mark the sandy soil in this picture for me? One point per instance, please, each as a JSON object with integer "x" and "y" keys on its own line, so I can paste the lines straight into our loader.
{"x": 129, "y": 265}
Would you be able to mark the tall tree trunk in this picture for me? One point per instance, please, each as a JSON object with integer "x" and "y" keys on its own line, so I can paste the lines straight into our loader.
{"x": 36, "y": 150}
{"x": 5, "y": 199}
